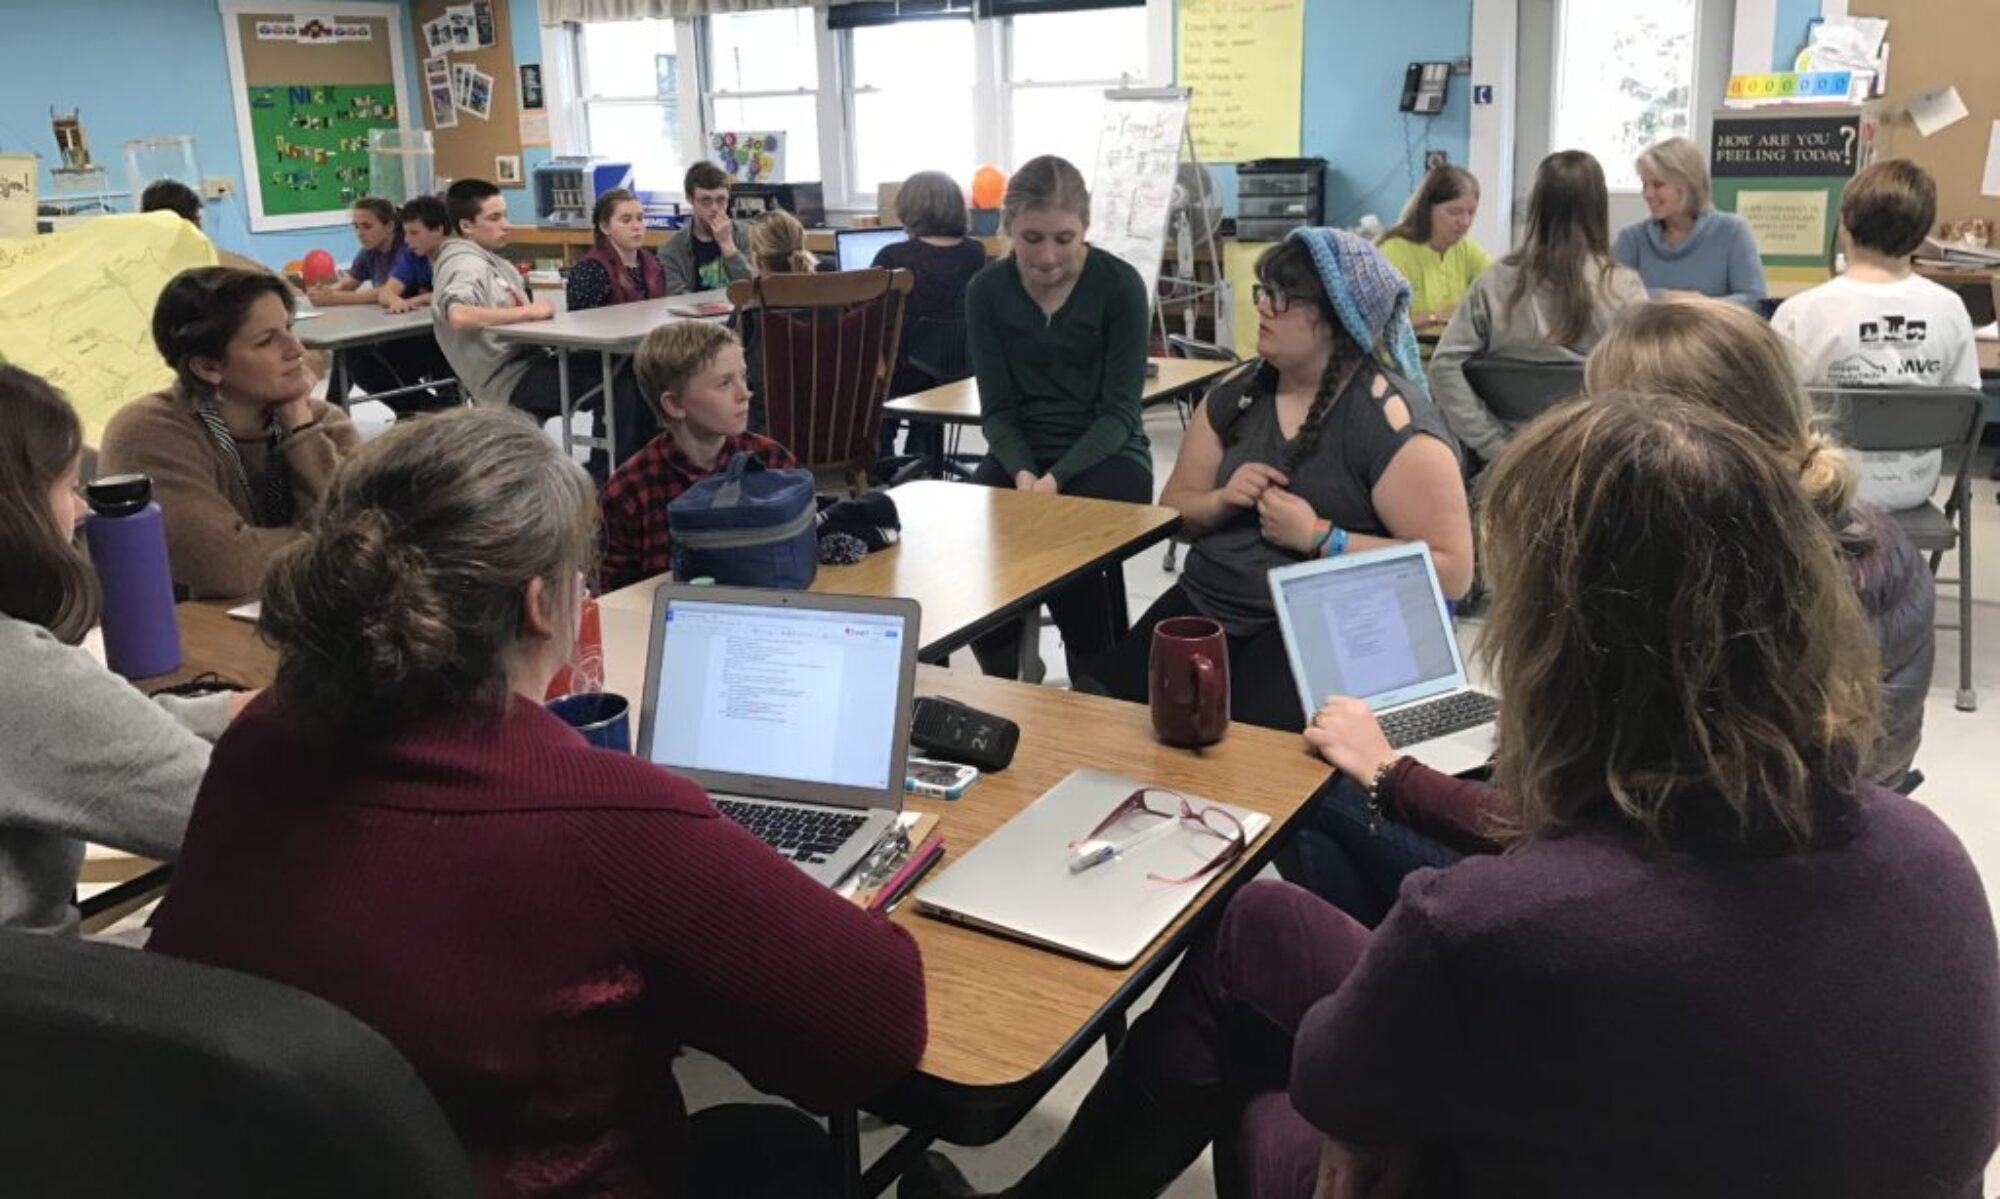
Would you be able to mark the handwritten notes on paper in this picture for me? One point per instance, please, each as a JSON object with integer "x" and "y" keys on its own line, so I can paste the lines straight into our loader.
{"x": 76, "y": 307}
{"x": 1244, "y": 61}
{"x": 1132, "y": 189}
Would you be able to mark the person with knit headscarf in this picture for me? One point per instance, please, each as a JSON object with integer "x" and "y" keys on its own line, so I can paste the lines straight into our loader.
{"x": 1326, "y": 444}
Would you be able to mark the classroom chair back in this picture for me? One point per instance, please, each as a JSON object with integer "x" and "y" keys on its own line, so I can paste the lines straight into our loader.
{"x": 142, "y": 1076}
{"x": 1519, "y": 391}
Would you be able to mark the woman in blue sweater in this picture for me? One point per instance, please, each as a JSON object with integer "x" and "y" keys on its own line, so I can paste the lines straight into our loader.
{"x": 1685, "y": 248}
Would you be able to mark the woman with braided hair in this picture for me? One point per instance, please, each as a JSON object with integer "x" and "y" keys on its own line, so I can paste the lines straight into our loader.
{"x": 1327, "y": 444}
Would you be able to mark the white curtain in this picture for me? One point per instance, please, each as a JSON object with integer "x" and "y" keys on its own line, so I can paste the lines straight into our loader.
{"x": 556, "y": 12}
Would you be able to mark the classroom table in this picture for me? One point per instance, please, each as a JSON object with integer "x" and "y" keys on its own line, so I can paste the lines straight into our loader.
{"x": 1989, "y": 358}
{"x": 614, "y": 333}
{"x": 1007, "y": 1020}
{"x": 974, "y": 558}
{"x": 345, "y": 329}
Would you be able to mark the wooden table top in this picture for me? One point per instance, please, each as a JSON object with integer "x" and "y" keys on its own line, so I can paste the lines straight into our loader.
{"x": 971, "y": 556}
{"x": 1000, "y": 1010}
{"x": 958, "y": 403}
{"x": 618, "y": 328}
{"x": 1989, "y": 357}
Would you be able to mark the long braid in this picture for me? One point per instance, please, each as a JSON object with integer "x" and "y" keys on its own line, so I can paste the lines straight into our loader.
{"x": 1332, "y": 380}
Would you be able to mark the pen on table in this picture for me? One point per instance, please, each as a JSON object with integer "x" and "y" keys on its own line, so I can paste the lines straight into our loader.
{"x": 892, "y": 892}
{"x": 1096, "y": 852}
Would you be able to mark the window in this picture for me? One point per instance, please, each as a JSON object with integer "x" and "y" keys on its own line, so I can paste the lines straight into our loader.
{"x": 763, "y": 77}
{"x": 631, "y": 98}
{"x": 1624, "y": 80}
{"x": 1058, "y": 67}
{"x": 911, "y": 85}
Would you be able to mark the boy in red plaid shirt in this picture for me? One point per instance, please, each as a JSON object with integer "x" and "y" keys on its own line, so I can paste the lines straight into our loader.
{"x": 692, "y": 373}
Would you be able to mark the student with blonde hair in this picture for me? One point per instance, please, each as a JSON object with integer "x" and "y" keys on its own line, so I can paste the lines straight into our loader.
{"x": 1548, "y": 301}
{"x": 778, "y": 246}
{"x": 1715, "y": 960}
{"x": 1431, "y": 245}
{"x": 540, "y": 925}
{"x": 1685, "y": 249}
{"x": 1722, "y": 358}
{"x": 693, "y": 376}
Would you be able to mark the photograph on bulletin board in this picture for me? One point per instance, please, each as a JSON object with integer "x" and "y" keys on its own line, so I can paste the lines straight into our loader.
{"x": 305, "y": 106}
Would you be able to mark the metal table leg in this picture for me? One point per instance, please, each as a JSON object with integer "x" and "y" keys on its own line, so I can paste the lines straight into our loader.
{"x": 844, "y": 1129}
{"x": 336, "y": 379}
{"x": 562, "y": 393}
{"x": 610, "y": 410}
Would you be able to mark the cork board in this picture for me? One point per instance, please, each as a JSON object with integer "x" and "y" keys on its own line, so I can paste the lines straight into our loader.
{"x": 1933, "y": 43}
{"x": 308, "y": 90}
{"x": 469, "y": 148}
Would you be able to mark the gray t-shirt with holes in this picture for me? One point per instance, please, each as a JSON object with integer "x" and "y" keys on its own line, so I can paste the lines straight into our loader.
{"x": 1224, "y": 574}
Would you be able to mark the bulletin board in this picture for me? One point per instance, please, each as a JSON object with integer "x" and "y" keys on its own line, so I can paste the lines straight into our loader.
{"x": 309, "y": 86}
{"x": 472, "y": 147}
{"x": 1933, "y": 44}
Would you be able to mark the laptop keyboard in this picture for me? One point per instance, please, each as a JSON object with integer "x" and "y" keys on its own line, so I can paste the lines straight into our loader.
{"x": 1454, "y": 713}
{"x": 806, "y": 835}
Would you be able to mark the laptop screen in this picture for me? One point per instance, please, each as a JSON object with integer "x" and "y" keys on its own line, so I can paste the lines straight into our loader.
{"x": 1373, "y": 628}
{"x": 856, "y": 248}
{"x": 778, "y": 692}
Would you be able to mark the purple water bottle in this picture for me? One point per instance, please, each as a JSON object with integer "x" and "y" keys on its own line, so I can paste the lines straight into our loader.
{"x": 128, "y": 546}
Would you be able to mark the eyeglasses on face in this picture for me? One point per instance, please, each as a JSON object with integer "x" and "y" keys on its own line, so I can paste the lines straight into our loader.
{"x": 1270, "y": 298}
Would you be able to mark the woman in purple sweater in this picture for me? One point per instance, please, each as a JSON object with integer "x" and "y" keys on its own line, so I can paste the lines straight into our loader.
{"x": 1716, "y": 961}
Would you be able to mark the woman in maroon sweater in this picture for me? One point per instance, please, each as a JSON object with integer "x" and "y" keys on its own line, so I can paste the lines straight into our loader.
{"x": 1716, "y": 961}
{"x": 399, "y": 826}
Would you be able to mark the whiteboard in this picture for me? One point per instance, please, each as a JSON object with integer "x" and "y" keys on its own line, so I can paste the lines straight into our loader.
{"x": 1132, "y": 189}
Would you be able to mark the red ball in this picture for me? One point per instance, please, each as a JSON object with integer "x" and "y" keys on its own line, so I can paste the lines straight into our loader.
{"x": 319, "y": 267}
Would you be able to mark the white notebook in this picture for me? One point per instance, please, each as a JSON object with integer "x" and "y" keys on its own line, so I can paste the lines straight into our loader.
{"x": 1018, "y": 883}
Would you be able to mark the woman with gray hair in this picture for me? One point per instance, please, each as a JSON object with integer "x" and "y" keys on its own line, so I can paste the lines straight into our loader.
{"x": 1684, "y": 248}
{"x": 931, "y": 208}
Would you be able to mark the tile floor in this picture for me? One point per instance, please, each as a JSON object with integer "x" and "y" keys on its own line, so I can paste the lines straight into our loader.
{"x": 1953, "y": 758}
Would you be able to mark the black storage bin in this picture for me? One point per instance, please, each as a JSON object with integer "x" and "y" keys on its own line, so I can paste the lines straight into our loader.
{"x": 1277, "y": 195}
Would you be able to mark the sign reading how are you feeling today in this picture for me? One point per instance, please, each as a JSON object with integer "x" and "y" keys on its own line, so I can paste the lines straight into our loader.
{"x": 1784, "y": 176}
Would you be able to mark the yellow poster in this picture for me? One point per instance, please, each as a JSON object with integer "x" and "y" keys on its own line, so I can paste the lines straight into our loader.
{"x": 1239, "y": 267}
{"x": 77, "y": 307}
{"x": 1785, "y": 224}
{"x": 1244, "y": 61}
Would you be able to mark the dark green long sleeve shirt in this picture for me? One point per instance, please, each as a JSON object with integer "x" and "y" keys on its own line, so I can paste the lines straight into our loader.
{"x": 1060, "y": 394}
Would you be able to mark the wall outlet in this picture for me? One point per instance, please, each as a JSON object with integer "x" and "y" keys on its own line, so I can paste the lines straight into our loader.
{"x": 216, "y": 187}
{"x": 1462, "y": 65}
{"x": 1433, "y": 159}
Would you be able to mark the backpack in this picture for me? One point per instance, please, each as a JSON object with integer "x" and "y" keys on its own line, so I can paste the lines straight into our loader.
{"x": 747, "y": 525}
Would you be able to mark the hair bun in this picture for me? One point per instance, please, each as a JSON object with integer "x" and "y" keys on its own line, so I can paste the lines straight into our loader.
{"x": 359, "y": 593}
{"x": 1826, "y": 474}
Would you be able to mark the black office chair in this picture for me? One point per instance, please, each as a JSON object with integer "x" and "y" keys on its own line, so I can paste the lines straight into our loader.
{"x": 1519, "y": 391}
{"x": 142, "y": 1077}
{"x": 1911, "y": 419}
{"x": 936, "y": 348}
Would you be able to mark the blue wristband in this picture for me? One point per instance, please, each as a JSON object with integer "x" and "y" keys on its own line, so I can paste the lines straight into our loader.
{"x": 1336, "y": 543}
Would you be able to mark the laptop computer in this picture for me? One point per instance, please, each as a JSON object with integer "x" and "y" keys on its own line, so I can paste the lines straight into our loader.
{"x": 792, "y": 709}
{"x": 855, "y": 249}
{"x": 1374, "y": 625}
{"x": 1017, "y": 881}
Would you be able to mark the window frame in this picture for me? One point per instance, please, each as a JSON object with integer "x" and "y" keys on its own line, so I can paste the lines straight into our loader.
{"x": 1559, "y": 55}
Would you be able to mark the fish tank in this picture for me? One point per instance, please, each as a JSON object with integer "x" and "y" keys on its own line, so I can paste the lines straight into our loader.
{"x": 402, "y": 164}
{"x": 150, "y": 159}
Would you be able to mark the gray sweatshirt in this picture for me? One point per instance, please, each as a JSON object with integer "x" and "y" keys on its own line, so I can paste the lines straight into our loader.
{"x": 84, "y": 756}
{"x": 677, "y": 260}
{"x": 463, "y": 273}
{"x": 1484, "y": 324}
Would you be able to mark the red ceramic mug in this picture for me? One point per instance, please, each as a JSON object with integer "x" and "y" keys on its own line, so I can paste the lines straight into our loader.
{"x": 1189, "y": 681}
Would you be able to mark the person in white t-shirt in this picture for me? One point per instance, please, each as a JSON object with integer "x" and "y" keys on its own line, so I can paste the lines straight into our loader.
{"x": 1880, "y": 324}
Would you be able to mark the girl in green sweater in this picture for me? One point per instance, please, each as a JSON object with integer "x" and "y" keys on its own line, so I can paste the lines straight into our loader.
{"x": 1432, "y": 246}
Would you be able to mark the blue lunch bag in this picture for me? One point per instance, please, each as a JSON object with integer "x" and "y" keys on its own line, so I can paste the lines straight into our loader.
{"x": 747, "y": 526}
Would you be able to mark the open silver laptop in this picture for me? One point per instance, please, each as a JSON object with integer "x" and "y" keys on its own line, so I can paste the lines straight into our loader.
{"x": 1374, "y": 625}
{"x": 792, "y": 709}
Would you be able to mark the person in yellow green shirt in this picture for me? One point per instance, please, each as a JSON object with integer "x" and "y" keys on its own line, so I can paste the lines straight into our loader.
{"x": 1430, "y": 246}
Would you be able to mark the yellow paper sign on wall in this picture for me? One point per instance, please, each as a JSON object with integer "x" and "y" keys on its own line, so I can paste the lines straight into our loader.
{"x": 77, "y": 307}
{"x": 1243, "y": 61}
{"x": 1239, "y": 267}
{"x": 1785, "y": 223}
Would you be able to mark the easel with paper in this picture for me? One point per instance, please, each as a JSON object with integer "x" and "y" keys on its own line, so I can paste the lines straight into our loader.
{"x": 1139, "y": 154}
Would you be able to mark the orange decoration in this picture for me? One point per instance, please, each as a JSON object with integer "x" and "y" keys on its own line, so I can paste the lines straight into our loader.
{"x": 989, "y": 187}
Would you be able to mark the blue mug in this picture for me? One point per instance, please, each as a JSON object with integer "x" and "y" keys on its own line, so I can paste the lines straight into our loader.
{"x": 604, "y": 719}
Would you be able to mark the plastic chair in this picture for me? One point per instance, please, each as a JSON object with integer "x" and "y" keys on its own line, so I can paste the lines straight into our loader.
{"x": 1911, "y": 419}
{"x": 826, "y": 346}
{"x": 1518, "y": 391}
{"x": 156, "y": 1078}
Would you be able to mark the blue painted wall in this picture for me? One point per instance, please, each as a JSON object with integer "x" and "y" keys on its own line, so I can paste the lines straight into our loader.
{"x": 1355, "y": 54}
{"x": 1789, "y": 31}
{"x": 149, "y": 68}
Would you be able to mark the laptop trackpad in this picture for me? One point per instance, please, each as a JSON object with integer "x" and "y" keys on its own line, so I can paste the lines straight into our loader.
{"x": 1457, "y": 753}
